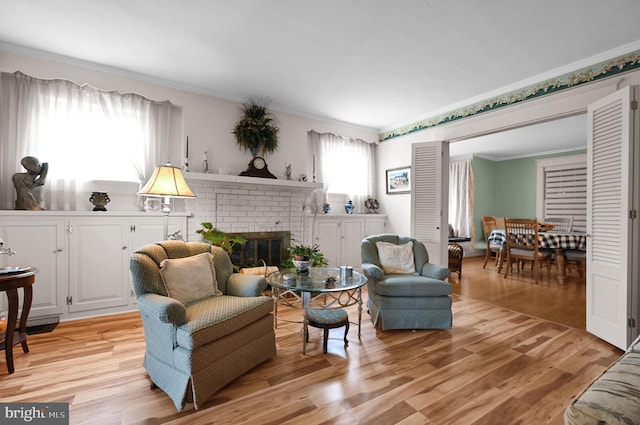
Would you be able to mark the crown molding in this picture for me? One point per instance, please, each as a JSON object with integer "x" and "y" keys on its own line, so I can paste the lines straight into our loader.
{"x": 542, "y": 85}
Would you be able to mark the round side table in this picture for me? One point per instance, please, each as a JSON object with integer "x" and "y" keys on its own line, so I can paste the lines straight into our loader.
{"x": 10, "y": 281}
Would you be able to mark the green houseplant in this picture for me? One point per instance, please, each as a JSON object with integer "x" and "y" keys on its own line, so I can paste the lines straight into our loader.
{"x": 220, "y": 238}
{"x": 257, "y": 131}
{"x": 305, "y": 252}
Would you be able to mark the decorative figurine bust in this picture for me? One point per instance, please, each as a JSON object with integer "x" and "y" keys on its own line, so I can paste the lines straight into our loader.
{"x": 287, "y": 171}
{"x": 28, "y": 185}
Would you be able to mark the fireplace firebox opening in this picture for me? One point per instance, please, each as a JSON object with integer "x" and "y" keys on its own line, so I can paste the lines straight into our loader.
{"x": 270, "y": 247}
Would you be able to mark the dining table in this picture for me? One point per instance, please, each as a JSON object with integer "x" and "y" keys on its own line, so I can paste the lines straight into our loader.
{"x": 556, "y": 240}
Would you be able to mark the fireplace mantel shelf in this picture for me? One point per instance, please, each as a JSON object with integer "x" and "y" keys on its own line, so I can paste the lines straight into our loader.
{"x": 225, "y": 178}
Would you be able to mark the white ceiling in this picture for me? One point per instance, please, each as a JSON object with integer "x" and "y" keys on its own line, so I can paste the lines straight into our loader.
{"x": 378, "y": 64}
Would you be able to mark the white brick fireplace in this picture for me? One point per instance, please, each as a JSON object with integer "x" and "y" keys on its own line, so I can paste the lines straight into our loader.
{"x": 236, "y": 204}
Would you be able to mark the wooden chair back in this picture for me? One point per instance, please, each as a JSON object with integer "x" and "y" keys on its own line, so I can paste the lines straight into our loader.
{"x": 522, "y": 233}
{"x": 488, "y": 225}
{"x": 562, "y": 224}
{"x": 522, "y": 244}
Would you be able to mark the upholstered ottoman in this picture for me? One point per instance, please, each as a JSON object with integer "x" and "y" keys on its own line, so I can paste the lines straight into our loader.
{"x": 613, "y": 398}
{"x": 326, "y": 319}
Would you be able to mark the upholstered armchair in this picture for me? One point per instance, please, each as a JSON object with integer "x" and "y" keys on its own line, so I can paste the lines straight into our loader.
{"x": 405, "y": 291}
{"x": 203, "y": 324}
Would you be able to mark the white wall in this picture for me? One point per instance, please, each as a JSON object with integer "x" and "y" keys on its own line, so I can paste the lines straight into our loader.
{"x": 397, "y": 152}
{"x": 206, "y": 120}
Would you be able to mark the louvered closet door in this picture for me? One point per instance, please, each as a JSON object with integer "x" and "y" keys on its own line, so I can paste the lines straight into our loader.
{"x": 429, "y": 198}
{"x": 610, "y": 192}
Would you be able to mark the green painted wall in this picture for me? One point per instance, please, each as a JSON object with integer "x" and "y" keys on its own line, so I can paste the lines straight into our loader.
{"x": 517, "y": 183}
{"x": 505, "y": 189}
{"x": 485, "y": 173}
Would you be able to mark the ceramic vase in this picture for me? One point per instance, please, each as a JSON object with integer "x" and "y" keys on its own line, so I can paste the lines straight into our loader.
{"x": 99, "y": 200}
{"x": 349, "y": 207}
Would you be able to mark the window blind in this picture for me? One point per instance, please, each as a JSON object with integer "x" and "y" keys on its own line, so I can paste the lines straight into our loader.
{"x": 565, "y": 193}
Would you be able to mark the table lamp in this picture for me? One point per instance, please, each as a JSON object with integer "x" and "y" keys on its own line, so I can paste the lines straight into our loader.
{"x": 167, "y": 182}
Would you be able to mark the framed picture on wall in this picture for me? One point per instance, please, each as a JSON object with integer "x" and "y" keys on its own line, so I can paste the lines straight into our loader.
{"x": 399, "y": 180}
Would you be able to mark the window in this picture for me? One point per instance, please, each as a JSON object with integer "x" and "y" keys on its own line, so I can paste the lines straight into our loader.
{"x": 86, "y": 144}
{"x": 562, "y": 189}
{"x": 345, "y": 166}
{"x": 83, "y": 133}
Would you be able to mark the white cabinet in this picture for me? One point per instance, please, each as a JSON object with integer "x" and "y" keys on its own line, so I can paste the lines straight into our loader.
{"x": 352, "y": 234}
{"x": 328, "y": 237}
{"x": 148, "y": 230}
{"x": 83, "y": 260}
{"x": 42, "y": 244}
{"x": 374, "y": 225}
{"x": 98, "y": 264}
{"x": 339, "y": 236}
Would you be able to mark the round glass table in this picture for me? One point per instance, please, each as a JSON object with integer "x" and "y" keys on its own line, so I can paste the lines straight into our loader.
{"x": 320, "y": 287}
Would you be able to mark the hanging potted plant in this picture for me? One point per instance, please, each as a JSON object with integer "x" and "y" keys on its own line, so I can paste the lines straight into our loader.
{"x": 257, "y": 132}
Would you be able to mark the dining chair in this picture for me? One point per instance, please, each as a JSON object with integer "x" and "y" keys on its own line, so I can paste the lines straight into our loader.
{"x": 489, "y": 224}
{"x": 522, "y": 245}
{"x": 562, "y": 224}
{"x": 578, "y": 258}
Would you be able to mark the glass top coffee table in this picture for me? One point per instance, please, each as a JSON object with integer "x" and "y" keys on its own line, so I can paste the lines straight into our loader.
{"x": 321, "y": 287}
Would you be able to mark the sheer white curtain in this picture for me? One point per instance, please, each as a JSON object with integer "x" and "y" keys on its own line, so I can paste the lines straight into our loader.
{"x": 83, "y": 133}
{"x": 461, "y": 197}
{"x": 345, "y": 166}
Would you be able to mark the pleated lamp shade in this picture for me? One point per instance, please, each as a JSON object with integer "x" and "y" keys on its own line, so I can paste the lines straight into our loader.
{"x": 167, "y": 181}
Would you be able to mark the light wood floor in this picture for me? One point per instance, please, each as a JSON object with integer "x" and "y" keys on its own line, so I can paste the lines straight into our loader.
{"x": 564, "y": 304}
{"x": 495, "y": 366}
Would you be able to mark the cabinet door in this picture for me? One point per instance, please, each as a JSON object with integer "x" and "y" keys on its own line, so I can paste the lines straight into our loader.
{"x": 148, "y": 230}
{"x": 98, "y": 263}
{"x": 352, "y": 234}
{"x": 374, "y": 226}
{"x": 38, "y": 243}
{"x": 328, "y": 239}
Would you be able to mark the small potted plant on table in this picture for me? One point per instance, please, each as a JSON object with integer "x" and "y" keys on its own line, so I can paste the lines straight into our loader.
{"x": 304, "y": 256}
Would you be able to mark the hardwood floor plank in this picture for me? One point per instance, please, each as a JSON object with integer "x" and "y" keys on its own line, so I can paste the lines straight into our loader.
{"x": 564, "y": 304}
{"x": 496, "y": 365}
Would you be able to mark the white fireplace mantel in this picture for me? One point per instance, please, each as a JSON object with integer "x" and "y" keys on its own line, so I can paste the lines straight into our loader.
{"x": 231, "y": 179}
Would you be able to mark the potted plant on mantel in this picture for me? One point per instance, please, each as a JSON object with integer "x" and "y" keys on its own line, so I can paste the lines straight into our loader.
{"x": 257, "y": 133}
